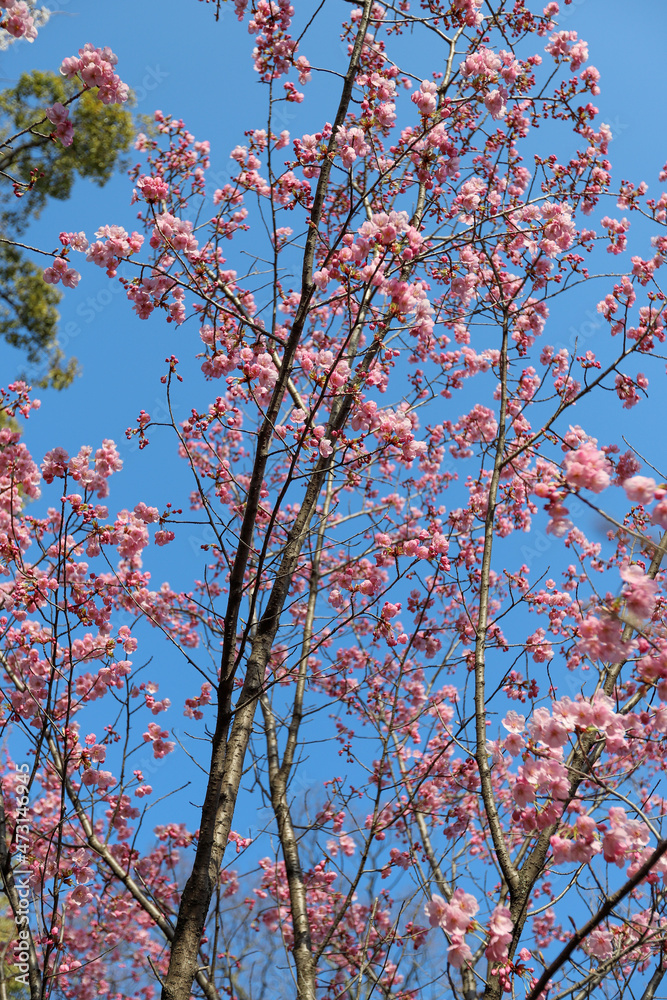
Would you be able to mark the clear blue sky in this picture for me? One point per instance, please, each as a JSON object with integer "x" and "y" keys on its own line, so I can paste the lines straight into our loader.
{"x": 176, "y": 58}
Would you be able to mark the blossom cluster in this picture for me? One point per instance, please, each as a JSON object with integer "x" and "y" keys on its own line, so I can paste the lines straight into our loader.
{"x": 18, "y": 19}
{"x": 94, "y": 67}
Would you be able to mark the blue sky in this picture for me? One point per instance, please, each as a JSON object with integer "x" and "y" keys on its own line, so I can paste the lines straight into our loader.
{"x": 176, "y": 58}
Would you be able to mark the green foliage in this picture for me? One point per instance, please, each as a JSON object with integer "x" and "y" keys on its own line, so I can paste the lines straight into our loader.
{"x": 29, "y": 318}
{"x": 9, "y": 986}
{"x": 102, "y": 133}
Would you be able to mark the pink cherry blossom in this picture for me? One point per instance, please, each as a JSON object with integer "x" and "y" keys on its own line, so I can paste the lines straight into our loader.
{"x": 153, "y": 188}
{"x": 59, "y": 271}
{"x": 513, "y": 722}
{"x": 587, "y": 468}
{"x": 80, "y": 896}
{"x": 20, "y": 21}
{"x": 458, "y": 952}
{"x": 55, "y": 464}
{"x": 640, "y": 591}
{"x": 640, "y": 489}
{"x": 392, "y": 529}
{"x": 659, "y": 514}
{"x": 95, "y": 69}
{"x": 500, "y": 928}
{"x": 495, "y": 102}
{"x": 426, "y": 97}
{"x": 77, "y": 241}
{"x": 599, "y": 943}
{"x": 59, "y": 115}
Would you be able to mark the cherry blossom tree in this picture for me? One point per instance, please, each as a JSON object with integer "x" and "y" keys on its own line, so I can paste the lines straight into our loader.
{"x": 408, "y": 786}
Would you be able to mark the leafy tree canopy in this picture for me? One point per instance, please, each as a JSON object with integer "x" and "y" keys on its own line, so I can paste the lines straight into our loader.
{"x": 102, "y": 133}
{"x": 10, "y": 987}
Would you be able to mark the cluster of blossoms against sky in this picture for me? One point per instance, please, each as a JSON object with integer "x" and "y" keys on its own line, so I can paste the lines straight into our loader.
{"x": 371, "y": 450}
